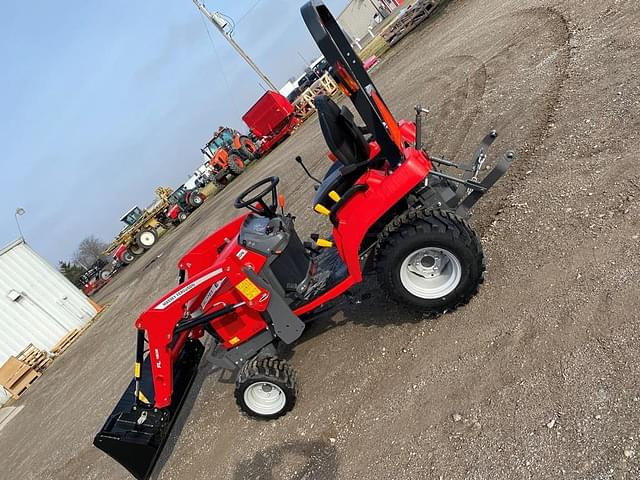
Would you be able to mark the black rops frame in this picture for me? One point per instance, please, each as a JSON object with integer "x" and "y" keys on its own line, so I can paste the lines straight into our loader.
{"x": 335, "y": 47}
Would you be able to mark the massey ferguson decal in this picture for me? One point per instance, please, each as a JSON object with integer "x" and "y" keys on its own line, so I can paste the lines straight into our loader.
{"x": 186, "y": 289}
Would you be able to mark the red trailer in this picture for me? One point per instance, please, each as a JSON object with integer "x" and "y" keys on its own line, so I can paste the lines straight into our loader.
{"x": 271, "y": 120}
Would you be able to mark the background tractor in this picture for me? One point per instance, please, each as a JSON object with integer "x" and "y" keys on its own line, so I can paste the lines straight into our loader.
{"x": 182, "y": 202}
{"x": 228, "y": 153}
{"x": 142, "y": 229}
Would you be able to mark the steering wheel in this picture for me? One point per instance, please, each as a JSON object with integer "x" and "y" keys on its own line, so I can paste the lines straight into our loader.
{"x": 267, "y": 210}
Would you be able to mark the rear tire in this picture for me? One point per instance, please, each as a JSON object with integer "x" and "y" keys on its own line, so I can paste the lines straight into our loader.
{"x": 430, "y": 260}
{"x": 182, "y": 216}
{"x": 266, "y": 388}
{"x": 236, "y": 165}
{"x": 248, "y": 148}
{"x": 146, "y": 239}
{"x": 195, "y": 200}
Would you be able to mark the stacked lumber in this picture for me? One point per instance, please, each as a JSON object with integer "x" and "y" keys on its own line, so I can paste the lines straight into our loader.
{"x": 16, "y": 376}
{"x": 35, "y": 358}
{"x": 413, "y": 16}
{"x": 65, "y": 342}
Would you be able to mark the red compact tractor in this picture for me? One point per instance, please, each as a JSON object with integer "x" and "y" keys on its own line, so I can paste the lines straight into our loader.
{"x": 253, "y": 284}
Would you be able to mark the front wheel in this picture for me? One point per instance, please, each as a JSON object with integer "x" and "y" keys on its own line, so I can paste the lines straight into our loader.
{"x": 128, "y": 257}
{"x": 266, "y": 388}
{"x": 431, "y": 260}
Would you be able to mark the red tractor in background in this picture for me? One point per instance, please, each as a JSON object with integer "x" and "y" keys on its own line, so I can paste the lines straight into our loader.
{"x": 253, "y": 285}
{"x": 182, "y": 202}
{"x": 271, "y": 120}
{"x": 229, "y": 152}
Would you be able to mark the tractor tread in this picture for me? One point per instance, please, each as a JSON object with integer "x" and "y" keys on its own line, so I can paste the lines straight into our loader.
{"x": 425, "y": 222}
{"x": 271, "y": 369}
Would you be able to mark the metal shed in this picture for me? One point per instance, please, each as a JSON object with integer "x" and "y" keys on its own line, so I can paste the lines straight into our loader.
{"x": 38, "y": 305}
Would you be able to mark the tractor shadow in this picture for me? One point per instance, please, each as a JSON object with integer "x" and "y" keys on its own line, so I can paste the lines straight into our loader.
{"x": 295, "y": 460}
{"x": 369, "y": 308}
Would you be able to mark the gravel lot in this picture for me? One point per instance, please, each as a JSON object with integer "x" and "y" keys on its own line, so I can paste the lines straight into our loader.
{"x": 538, "y": 377}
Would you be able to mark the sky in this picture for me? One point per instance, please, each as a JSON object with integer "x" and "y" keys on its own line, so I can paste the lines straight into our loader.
{"x": 102, "y": 102}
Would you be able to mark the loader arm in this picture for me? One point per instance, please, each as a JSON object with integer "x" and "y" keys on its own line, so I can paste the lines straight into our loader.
{"x": 212, "y": 289}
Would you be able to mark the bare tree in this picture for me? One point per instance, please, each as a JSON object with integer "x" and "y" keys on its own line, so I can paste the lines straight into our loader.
{"x": 89, "y": 251}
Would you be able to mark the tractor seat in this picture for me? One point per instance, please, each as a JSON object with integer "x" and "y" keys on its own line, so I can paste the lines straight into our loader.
{"x": 348, "y": 143}
{"x": 345, "y": 140}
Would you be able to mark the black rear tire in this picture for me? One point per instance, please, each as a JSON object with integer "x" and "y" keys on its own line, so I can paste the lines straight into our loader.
{"x": 236, "y": 164}
{"x": 444, "y": 233}
{"x": 248, "y": 148}
{"x": 274, "y": 373}
{"x": 195, "y": 200}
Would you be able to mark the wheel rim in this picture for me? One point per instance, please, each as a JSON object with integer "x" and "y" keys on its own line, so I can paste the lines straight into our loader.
{"x": 264, "y": 398}
{"x": 430, "y": 273}
{"x": 238, "y": 161}
{"x": 197, "y": 200}
{"x": 128, "y": 257}
{"x": 136, "y": 249}
{"x": 147, "y": 239}
{"x": 182, "y": 217}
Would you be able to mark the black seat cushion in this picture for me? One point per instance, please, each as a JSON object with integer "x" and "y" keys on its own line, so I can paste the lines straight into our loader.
{"x": 345, "y": 140}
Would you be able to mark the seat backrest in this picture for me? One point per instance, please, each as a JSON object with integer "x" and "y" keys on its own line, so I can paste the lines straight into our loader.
{"x": 343, "y": 137}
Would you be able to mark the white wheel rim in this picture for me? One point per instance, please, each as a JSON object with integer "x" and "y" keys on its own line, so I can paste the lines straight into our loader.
{"x": 264, "y": 398}
{"x": 147, "y": 239}
{"x": 197, "y": 200}
{"x": 430, "y": 273}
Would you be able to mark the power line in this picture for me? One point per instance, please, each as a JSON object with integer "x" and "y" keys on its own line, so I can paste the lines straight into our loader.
{"x": 251, "y": 8}
{"x": 221, "y": 64}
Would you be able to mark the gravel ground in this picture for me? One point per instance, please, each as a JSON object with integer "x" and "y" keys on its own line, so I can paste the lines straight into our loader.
{"x": 536, "y": 378}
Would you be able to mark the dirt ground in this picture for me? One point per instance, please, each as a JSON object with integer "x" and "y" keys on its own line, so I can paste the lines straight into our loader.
{"x": 538, "y": 377}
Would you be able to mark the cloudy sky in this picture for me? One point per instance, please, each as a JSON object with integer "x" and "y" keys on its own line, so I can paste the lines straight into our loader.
{"x": 103, "y": 101}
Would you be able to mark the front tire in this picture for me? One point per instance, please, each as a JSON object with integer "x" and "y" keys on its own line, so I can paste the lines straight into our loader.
{"x": 266, "y": 388}
{"x": 128, "y": 257}
{"x": 430, "y": 260}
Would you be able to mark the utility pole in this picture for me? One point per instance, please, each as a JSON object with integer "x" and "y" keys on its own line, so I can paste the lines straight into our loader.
{"x": 220, "y": 23}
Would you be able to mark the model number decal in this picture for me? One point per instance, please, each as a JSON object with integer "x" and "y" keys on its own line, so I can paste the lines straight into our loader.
{"x": 241, "y": 253}
{"x": 186, "y": 289}
{"x": 214, "y": 288}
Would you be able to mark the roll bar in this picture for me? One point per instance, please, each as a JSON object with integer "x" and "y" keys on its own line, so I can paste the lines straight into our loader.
{"x": 347, "y": 69}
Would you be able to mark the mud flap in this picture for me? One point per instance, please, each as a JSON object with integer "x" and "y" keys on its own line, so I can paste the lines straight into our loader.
{"x": 135, "y": 433}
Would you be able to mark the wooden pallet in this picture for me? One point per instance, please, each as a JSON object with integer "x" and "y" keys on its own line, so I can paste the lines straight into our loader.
{"x": 65, "y": 342}
{"x": 17, "y": 376}
{"x": 35, "y": 358}
{"x": 413, "y": 16}
{"x": 304, "y": 106}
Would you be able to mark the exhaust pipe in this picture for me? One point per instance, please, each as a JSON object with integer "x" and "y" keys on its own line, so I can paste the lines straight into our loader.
{"x": 135, "y": 432}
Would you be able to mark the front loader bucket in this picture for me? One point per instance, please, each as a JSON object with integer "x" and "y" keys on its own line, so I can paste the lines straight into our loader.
{"x": 135, "y": 433}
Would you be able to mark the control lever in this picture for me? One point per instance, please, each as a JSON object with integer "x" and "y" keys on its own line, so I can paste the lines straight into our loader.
{"x": 299, "y": 160}
{"x": 419, "y": 111}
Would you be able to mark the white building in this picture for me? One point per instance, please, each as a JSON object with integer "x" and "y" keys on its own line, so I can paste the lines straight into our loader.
{"x": 38, "y": 305}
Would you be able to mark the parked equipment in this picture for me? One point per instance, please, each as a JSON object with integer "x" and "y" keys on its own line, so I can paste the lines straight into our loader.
{"x": 271, "y": 119}
{"x": 182, "y": 202}
{"x": 142, "y": 229}
{"x": 229, "y": 152}
{"x": 253, "y": 284}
